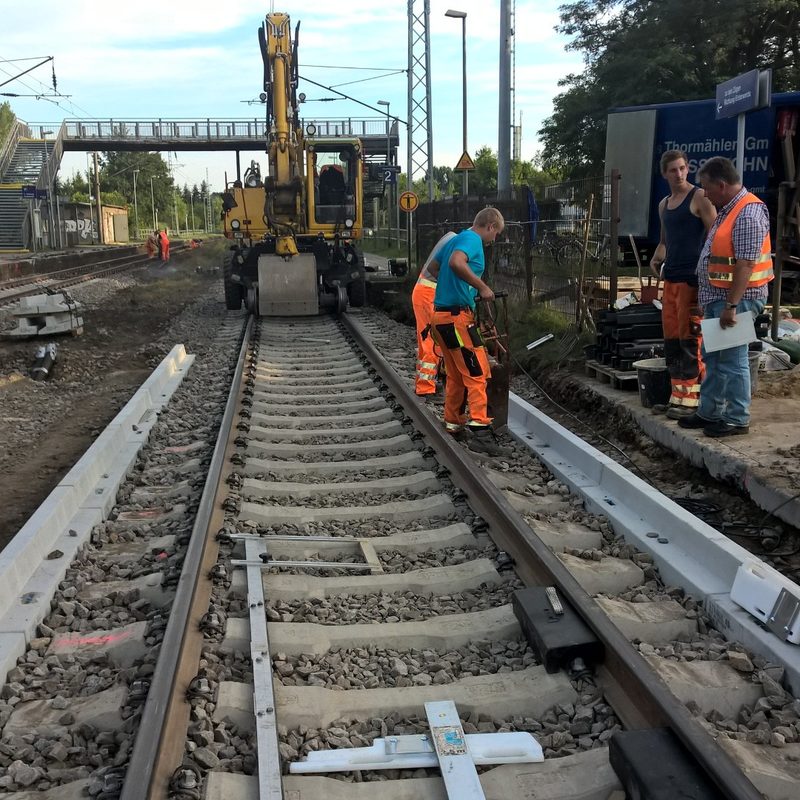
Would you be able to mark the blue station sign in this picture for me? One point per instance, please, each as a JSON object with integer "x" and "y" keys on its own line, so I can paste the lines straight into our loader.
{"x": 738, "y": 95}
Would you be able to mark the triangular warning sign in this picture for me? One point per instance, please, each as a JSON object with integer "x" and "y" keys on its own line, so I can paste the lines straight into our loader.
{"x": 465, "y": 162}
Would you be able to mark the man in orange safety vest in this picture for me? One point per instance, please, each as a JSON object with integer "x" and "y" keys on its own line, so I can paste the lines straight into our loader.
{"x": 733, "y": 273}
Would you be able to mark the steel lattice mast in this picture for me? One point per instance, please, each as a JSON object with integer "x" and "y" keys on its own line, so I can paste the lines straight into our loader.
{"x": 419, "y": 132}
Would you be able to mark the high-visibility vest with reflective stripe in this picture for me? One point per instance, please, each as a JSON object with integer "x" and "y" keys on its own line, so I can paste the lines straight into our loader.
{"x": 723, "y": 255}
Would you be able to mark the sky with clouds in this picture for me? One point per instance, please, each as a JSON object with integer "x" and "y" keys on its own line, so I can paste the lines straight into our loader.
{"x": 185, "y": 60}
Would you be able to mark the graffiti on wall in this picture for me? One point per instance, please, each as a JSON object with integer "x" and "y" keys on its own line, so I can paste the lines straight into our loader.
{"x": 85, "y": 228}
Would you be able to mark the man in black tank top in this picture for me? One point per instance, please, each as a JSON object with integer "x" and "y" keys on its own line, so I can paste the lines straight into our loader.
{"x": 686, "y": 215}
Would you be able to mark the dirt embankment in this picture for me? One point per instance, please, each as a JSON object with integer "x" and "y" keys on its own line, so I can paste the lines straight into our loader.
{"x": 46, "y": 426}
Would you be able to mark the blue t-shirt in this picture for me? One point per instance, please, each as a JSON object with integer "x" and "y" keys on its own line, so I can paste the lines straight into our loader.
{"x": 451, "y": 290}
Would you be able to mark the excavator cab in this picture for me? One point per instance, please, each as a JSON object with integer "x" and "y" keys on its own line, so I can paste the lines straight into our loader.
{"x": 334, "y": 172}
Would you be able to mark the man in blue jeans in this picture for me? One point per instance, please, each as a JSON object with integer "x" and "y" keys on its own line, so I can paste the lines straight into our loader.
{"x": 733, "y": 272}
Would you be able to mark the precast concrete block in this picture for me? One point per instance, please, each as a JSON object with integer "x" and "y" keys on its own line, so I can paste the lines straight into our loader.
{"x": 366, "y": 417}
{"x": 559, "y": 535}
{"x": 609, "y": 576}
{"x": 528, "y": 505}
{"x": 436, "y": 580}
{"x": 657, "y": 621}
{"x": 395, "y": 444}
{"x": 774, "y": 771}
{"x": 417, "y": 482}
{"x": 122, "y": 645}
{"x": 440, "y": 633}
{"x": 713, "y": 685}
{"x": 38, "y": 716}
{"x": 528, "y": 692}
{"x": 437, "y": 505}
{"x": 411, "y": 459}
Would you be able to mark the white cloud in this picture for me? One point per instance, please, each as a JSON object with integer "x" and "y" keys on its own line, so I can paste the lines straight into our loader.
{"x": 200, "y": 59}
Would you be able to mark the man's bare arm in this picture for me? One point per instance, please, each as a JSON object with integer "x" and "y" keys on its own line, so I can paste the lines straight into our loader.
{"x": 702, "y": 207}
{"x": 460, "y": 266}
{"x": 657, "y": 261}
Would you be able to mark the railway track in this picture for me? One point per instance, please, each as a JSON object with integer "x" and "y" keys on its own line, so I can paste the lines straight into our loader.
{"x": 344, "y": 565}
{"x": 13, "y": 289}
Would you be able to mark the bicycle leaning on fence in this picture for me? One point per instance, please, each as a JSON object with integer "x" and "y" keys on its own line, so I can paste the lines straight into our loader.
{"x": 558, "y": 247}
{"x": 597, "y": 251}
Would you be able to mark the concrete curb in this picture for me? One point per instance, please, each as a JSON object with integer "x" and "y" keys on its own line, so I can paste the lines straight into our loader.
{"x": 688, "y": 552}
{"x": 30, "y": 567}
{"x": 724, "y": 463}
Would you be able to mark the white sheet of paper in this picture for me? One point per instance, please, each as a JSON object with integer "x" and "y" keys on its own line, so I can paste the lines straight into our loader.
{"x": 718, "y": 338}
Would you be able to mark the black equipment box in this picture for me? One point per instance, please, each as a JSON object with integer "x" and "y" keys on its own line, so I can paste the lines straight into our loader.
{"x": 557, "y": 638}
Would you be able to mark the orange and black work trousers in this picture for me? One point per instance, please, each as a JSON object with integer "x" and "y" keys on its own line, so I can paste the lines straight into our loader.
{"x": 680, "y": 318}
{"x": 427, "y": 360}
{"x": 467, "y": 366}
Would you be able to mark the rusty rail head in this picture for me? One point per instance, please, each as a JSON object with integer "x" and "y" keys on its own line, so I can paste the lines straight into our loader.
{"x": 152, "y": 759}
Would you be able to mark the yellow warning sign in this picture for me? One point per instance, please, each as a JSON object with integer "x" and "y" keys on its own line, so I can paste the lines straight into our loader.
{"x": 465, "y": 162}
{"x": 408, "y": 202}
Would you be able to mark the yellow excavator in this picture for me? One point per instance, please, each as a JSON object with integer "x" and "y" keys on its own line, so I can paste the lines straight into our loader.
{"x": 295, "y": 232}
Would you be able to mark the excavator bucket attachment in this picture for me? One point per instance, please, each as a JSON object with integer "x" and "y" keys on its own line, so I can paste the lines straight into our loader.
{"x": 287, "y": 287}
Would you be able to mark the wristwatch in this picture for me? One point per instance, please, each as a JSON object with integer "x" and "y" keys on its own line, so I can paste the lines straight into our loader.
{"x": 731, "y": 306}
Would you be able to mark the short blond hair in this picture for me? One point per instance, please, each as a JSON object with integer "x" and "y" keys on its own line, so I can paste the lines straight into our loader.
{"x": 488, "y": 216}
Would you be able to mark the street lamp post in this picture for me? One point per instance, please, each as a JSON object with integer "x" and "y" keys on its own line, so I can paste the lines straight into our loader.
{"x": 462, "y": 15}
{"x": 388, "y": 161}
{"x": 135, "y": 203}
{"x": 152, "y": 202}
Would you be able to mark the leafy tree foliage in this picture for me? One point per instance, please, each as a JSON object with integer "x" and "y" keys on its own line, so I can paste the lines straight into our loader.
{"x": 7, "y": 118}
{"x": 657, "y": 51}
{"x": 175, "y": 207}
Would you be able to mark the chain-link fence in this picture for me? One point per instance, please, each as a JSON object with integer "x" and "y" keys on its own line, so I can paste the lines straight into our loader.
{"x": 540, "y": 257}
{"x": 573, "y": 214}
{"x": 508, "y": 261}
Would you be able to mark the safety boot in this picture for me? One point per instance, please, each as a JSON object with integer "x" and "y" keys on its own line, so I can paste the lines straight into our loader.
{"x": 483, "y": 440}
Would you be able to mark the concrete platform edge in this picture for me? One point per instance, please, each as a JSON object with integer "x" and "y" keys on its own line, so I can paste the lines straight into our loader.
{"x": 83, "y": 498}
{"x": 695, "y": 556}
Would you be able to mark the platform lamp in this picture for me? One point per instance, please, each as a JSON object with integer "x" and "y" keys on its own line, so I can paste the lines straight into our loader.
{"x": 462, "y": 15}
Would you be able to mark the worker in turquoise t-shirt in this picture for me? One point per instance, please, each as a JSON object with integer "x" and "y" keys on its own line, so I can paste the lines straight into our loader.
{"x": 456, "y": 331}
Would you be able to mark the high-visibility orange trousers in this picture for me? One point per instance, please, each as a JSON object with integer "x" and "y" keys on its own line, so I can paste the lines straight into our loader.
{"x": 680, "y": 318}
{"x": 467, "y": 366}
{"x": 427, "y": 360}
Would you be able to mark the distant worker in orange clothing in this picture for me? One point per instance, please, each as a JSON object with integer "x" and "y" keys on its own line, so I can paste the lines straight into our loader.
{"x": 422, "y": 302}
{"x": 164, "y": 246}
{"x": 151, "y": 244}
{"x": 456, "y": 331}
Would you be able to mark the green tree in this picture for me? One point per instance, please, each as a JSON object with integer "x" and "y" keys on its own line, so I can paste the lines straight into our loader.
{"x": 7, "y": 119}
{"x": 640, "y": 51}
{"x": 444, "y": 179}
{"x": 117, "y": 175}
{"x": 483, "y": 179}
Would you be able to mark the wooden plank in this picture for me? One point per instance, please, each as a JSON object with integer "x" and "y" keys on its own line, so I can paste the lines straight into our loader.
{"x": 371, "y": 557}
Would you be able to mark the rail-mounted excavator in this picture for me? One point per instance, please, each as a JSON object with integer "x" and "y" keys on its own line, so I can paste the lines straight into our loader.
{"x": 295, "y": 231}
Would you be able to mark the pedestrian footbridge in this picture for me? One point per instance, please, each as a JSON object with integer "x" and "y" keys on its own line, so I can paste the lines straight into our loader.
{"x": 31, "y": 155}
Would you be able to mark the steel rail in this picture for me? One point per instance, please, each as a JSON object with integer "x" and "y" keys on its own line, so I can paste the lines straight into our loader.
{"x": 160, "y": 742}
{"x": 10, "y": 283}
{"x": 651, "y": 702}
{"x": 131, "y": 263}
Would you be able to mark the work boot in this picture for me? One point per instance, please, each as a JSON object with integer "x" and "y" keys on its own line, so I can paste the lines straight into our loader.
{"x": 659, "y": 408}
{"x": 678, "y": 412}
{"x": 483, "y": 440}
